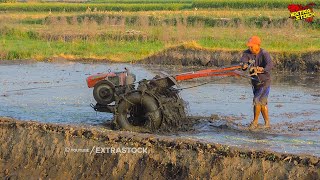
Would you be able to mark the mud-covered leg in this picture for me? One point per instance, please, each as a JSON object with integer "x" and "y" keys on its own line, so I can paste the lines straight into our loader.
{"x": 264, "y": 111}
{"x": 256, "y": 113}
{"x": 264, "y": 106}
{"x": 257, "y": 92}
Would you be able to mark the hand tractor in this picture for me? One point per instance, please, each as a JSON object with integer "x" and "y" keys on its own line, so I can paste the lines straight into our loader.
{"x": 146, "y": 105}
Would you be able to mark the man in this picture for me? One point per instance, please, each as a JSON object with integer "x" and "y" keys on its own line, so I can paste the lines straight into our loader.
{"x": 259, "y": 63}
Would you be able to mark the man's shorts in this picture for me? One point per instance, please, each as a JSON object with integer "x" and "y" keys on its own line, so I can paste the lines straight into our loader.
{"x": 261, "y": 94}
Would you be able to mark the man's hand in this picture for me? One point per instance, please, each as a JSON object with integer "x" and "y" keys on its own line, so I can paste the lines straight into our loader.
{"x": 244, "y": 66}
{"x": 260, "y": 69}
{"x": 255, "y": 70}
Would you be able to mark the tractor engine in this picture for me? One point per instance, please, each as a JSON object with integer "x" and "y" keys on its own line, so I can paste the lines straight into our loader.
{"x": 107, "y": 86}
{"x": 152, "y": 105}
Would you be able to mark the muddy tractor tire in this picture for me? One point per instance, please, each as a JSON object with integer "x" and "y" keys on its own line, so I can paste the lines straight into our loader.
{"x": 103, "y": 92}
{"x": 138, "y": 112}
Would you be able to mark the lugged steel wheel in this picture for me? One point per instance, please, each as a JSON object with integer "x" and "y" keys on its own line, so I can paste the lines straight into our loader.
{"x": 137, "y": 112}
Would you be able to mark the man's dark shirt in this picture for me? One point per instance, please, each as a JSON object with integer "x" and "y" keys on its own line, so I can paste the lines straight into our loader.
{"x": 262, "y": 59}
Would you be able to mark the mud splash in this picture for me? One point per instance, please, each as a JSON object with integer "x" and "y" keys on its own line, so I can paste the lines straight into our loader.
{"x": 31, "y": 149}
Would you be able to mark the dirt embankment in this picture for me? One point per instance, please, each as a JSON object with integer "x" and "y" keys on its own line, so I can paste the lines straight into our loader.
{"x": 31, "y": 149}
{"x": 185, "y": 55}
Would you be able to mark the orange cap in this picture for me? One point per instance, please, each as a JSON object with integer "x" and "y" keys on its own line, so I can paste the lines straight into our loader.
{"x": 254, "y": 40}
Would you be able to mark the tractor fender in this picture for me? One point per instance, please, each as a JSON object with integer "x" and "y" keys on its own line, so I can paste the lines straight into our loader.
{"x": 151, "y": 111}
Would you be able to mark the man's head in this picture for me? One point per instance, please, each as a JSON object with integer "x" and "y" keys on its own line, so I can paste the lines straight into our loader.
{"x": 254, "y": 44}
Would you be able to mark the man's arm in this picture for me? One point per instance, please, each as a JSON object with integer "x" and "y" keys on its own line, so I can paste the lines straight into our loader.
{"x": 244, "y": 61}
{"x": 269, "y": 64}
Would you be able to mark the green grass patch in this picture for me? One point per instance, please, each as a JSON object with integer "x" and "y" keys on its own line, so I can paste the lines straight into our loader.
{"x": 148, "y": 5}
{"x": 65, "y": 7}
{"x": 246, "y": 4}
{"x": 277, "y": 43}
{"x": 24, "y": 47}
{"x": 190, "y": 20}
{"x": 143, "y": 1}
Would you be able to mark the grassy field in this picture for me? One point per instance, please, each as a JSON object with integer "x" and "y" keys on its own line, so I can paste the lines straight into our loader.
{"x": 146, "y": 5}
{"x": 37, "y": 30}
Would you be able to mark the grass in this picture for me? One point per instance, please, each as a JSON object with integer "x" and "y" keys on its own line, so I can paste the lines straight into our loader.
{"x": 141, "y": 1}
{"x": 245, "y": 4}
{"x": 114, "y": 44}
{"x": 126, "y": 36}
{"x": 26, "y": 48}
{"x": 82, "y": 7}
{"x": 146, "y": 5}
{"x": 273, "y": 39}
{"x": 227, "y": 13}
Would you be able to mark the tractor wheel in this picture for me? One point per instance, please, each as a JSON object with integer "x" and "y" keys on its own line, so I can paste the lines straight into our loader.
{"x": 139, "y": 113}
{"x": 103, "y": 92}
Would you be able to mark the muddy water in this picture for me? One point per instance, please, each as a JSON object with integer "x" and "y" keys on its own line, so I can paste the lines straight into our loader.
{"x": 57, "y": 93}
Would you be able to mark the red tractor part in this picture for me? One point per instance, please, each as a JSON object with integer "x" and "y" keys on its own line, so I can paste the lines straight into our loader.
{"x": 228, "y": 71}
{"x": 94, "y": 79}
{"x": 107, "y": 85}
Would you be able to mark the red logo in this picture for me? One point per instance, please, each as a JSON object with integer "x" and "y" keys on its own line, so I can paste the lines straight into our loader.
{"x": 300, "y": 12}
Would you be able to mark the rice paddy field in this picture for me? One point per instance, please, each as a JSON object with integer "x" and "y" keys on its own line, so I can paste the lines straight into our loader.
{"x": 49, "y": 100}
{"x": 123, "y": 30}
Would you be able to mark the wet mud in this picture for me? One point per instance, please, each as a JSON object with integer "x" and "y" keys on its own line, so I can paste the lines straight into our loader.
{"x": 193, "y": 56}
{"x": 39, "y": 150}
{"x": 215, "y": 144}
{"x": 220, "y": 109}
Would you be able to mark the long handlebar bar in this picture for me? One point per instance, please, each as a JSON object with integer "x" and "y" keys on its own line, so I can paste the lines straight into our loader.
{"x": 227, "y": 71}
